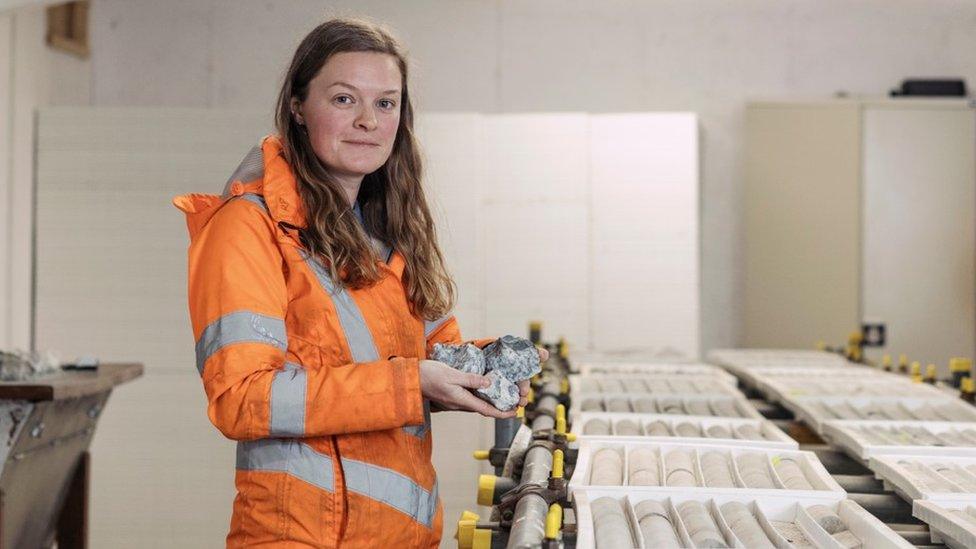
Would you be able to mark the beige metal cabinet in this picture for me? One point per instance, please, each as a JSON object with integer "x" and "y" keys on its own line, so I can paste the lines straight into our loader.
{"x": 861, "y": 209}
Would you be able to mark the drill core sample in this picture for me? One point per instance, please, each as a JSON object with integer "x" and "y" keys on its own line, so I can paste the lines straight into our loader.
{"x": 680, "y": 468}
{"x": 745, "y": 526}
{"x": 791, "y": 474}
{"x": 596, "y": 426}
{"x": 610, "y": 527}
{"x": 754, "y": 470}
{"x": 826, "y": 518}
{"x": 607, "y": 468}
{"x": 700, "y": 525}
{"x": 655, "y": 525}
{"x": 715, "y": 469}
{"x": 643, "y": 468}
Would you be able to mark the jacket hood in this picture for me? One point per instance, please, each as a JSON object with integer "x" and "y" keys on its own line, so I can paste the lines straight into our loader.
{"x": 263, "y": 171}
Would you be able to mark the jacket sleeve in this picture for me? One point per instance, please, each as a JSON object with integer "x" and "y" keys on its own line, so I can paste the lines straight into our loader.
{"x": 238, "y": 302}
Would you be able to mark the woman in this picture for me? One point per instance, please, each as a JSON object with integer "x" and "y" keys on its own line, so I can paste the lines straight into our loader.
{"x": 316, "y": 288}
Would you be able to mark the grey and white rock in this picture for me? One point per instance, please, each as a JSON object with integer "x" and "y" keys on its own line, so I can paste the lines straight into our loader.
{"x": 502, "y": 393}
{"x": 515, "y": 357}
{"x": 466, "y": 358}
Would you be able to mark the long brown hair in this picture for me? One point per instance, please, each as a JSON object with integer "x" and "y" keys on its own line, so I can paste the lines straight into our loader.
{"x": 392, "y": 198}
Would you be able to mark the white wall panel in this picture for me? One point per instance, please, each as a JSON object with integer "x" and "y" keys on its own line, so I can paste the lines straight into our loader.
{"x": 645, "y": 231}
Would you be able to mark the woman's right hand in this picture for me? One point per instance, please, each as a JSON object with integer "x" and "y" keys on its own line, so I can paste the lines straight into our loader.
{"x": 451, "y": 389}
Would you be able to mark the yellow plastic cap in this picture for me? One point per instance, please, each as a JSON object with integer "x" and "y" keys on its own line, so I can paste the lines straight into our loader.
{"x": 959, "y": 364}
{"x": 535, "y": 325}
{"x": 916, "y": 368}
{"x": 903, "y": 360}
{"x": 481, "y": 454}
{"x": 930, "y": 371}
{"x": 557, "y": 464}
{"x": 886, "y": 360}
{"x": 563, "y": 348}
{"x": 564, "y": 385}
{"x": 531, "y": 395}
{"x": 821, "y": 346}
{"x": 855, "y": 338}
{"x": 560, "y": 419}
{"x": 520, "y": 412}
{"x": 465, "y": 532}
{"x": 486, "y": 489}
{"x": 916, "y": 378}
{"x": 967, "y": 385}
{"x": 554, "y": 521}
{"x": 482, "y": 539}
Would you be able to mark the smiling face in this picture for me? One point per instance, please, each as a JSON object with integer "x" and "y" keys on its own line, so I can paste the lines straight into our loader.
{"x": 351, "y": 112}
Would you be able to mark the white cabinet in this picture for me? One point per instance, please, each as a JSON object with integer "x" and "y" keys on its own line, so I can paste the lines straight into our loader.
{"x": 861, "y": 209}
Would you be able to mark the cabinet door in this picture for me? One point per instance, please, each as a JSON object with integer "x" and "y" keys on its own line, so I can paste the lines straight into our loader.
{"x": 919, "y": 219}
{"x": 801, "y": 228}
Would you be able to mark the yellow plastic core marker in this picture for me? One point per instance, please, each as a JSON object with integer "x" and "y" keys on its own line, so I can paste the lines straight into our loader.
{"x": 480, "y": 454}
{"x": 465, "y": 529}
{"x": 557, "y": 464}
{"x": 560, "y": 419}
{"x": 886, "y": 362}
{"x": 930, "y": 372}
{"x": 554, "y": 521}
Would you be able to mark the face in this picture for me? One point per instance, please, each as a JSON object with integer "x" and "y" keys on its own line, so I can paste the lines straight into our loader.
{"x": 352, "y": 112}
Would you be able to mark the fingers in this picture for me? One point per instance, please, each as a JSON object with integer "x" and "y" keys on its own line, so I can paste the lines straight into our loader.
{"x": 543, "y": 354}
{"x": 523, "y": 387}
{"x": 473, "y": 381}
{"x": 468, "y": 401}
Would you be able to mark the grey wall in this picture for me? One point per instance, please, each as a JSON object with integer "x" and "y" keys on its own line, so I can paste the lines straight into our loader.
{"x": 705, "y": 56}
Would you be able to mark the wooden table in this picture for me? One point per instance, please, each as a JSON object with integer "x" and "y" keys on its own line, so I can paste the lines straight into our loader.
{"x": 45, "y": 477}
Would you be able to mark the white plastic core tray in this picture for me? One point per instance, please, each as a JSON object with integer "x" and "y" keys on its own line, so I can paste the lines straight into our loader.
{"x": 691, "y": 405}
{"x": 760, "y": 376}
{"x": 950, "y": 481}
{"x": 773, "y": 438}
{"x": 658, "y": 384}
{"x": 591, "y": 368}
{"x": 866, "y": 527}
{"x": 825, "y": 487}
{"x": 952, "y": 525}
{"x": 814, "y": 411}
{"x": 779, "y": 388}
{"x": 864, "y": 439}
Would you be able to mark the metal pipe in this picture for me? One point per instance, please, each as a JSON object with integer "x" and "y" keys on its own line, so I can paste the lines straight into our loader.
{"x": 529, "y": 523}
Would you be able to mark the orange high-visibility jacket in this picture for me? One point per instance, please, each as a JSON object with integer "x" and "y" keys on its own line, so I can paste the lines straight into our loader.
{"x": 319, "y": 384}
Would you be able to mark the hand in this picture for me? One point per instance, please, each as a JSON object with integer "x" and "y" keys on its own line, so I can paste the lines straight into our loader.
{"x": 543, "y": 354}
{"x": 449, "y": 388}
{"x": 524, "y": 384}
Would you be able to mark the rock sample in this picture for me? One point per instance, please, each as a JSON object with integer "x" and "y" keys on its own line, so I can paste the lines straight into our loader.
{"x": 502, "y": 393}
{"x": 466, "y": 358}
{"x": 515, "y": 357}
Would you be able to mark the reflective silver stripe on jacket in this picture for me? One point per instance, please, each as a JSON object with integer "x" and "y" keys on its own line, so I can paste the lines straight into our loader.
{"x": 391, "y": 488}
{"x": 351, "y": 319}
{"x": 288, "y": 390}
{"x": 240, "y": 327}
{"x": 430, "y": 326}
{"x": 289, "y": 456}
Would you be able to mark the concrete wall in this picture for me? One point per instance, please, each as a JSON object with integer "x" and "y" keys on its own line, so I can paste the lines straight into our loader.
{"x": 557, "y": 55}
{"x": 31, "y": 75}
